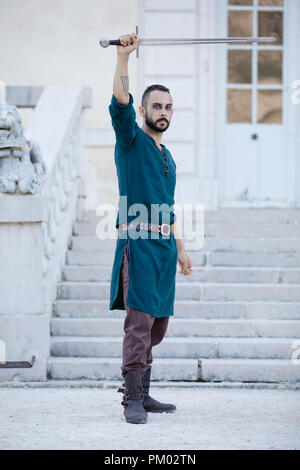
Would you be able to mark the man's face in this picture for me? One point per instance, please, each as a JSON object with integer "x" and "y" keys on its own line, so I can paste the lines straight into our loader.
{"x": 159, "y": 110}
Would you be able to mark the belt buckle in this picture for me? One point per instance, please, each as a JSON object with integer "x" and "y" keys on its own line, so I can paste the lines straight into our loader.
{"x": 168, "y": 229}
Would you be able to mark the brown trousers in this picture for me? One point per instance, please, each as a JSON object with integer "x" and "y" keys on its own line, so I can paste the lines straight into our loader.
{"x": 142, "y": 330}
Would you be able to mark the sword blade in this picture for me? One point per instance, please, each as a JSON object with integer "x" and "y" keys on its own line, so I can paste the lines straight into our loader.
{"x": 188, "y": 41}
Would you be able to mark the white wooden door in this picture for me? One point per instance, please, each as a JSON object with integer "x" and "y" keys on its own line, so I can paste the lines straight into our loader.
{"x": 253, "y": 153}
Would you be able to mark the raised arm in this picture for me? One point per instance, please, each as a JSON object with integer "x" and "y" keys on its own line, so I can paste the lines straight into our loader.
{"x": 121, "y": 107}
{"x": 121, "y": 78}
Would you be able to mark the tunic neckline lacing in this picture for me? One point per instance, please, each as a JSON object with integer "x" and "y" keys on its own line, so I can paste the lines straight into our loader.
{"x": 161, "y": 152}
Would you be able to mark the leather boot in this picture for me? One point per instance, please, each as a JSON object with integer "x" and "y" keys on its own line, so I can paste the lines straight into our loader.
{"x": 133, "y": 398}
{"x": 151, "y": 405}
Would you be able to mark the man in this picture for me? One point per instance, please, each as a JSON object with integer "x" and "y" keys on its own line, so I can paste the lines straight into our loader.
{"x": 144, "y": 270}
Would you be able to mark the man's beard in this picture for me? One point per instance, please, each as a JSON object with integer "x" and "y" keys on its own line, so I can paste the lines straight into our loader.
{"x": 155, "y": 125}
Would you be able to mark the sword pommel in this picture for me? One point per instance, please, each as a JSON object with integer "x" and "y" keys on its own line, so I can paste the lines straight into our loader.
{"x": 104, "y": 42}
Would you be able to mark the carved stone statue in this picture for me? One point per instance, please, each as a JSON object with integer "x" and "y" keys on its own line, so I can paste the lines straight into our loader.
{"x": 22, "y": 169}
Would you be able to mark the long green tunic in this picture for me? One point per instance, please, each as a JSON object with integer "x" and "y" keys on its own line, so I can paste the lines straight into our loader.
{"x": 142, "y": 180}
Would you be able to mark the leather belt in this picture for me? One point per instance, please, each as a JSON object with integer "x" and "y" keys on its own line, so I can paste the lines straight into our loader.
{"x": 164, "y": 229}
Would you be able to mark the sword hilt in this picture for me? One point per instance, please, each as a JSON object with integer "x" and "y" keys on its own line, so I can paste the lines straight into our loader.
{"x": 115, "y": 42}
{"x": 105, "y": 42}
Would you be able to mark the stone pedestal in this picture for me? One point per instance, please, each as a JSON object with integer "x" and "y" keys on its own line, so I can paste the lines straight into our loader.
{"x": 24, "y": 324}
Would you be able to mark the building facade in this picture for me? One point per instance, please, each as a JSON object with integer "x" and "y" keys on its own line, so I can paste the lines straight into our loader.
{"x": 235, "y": 130}
{"x": 235, "y": 133}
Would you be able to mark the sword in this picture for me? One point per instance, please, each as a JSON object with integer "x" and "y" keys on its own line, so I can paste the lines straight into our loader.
{"x": 105, "y": 42}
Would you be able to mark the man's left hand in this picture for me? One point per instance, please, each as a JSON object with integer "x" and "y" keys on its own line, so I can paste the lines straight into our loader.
{"x": 185, "y": 263}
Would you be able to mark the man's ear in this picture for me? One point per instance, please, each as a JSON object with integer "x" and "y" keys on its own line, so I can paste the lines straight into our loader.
{"x": 142, "y": 111}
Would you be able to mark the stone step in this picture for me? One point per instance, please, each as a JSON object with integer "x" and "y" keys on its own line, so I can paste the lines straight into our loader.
{"x": 259, "y": 229}
{"x": 92, "y": 243}
{"x": 199, "y": 258}
{"x": 229, "y": 216}
{"x": 94, "y": 368}
{"x": 200, "y": 274}
{"x": 180, "y": 327}
{"x": 249, "y": 370}
{"x": 191, "y": 291}
{"x": 84, "y": 258}
{"x": 253, "y": 245}
{"x": 255, "y": 230}
{"x": 185, "y": 309}
{"x": 178, "y": 348}
{"x": 209, "y": 370}
{"x": 261, "y": 245}
{"x": 284, "y": 260}
{"x": 94, "y": 258}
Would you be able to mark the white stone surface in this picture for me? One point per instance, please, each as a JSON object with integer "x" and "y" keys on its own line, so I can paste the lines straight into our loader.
{"x": 21, "y": 281}
{"x": 206, "y": 418}
{"x": 25, "y": 336}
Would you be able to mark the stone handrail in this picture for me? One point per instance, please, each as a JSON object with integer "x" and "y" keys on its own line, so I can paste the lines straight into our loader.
{"x": 35, "y": 230}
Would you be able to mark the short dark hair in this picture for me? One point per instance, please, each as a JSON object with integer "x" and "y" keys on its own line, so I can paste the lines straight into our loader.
{"x": 152, "y": 88}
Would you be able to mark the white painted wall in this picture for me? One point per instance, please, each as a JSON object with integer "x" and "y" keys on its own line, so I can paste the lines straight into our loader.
{"x": 55, "y": 42}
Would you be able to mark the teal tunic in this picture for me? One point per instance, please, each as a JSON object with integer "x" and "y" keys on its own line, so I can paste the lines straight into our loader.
{"x": 142, "y": 180}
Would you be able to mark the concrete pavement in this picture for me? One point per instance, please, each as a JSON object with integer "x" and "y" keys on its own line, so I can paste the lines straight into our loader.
{"x": 45, "y": 416}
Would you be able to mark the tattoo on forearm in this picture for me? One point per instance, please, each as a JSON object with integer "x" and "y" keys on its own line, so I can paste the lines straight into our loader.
{"x": 125, "y": 83}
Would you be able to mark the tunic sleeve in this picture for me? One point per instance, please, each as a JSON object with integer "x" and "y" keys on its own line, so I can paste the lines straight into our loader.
{"x": 124, "y": 122}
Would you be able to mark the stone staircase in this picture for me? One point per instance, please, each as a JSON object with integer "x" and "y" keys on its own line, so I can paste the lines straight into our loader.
{"x": 237, "y": 318}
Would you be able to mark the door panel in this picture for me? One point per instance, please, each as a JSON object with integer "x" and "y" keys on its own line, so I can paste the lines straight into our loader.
{"x": 176, "y": 68}
{"x": 170, "y": 61}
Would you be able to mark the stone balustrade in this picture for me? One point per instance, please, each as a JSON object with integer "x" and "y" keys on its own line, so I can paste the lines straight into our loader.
{"x": 35, "y": 231}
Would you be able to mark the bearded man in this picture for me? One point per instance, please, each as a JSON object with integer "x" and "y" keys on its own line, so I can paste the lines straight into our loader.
{"x": 144, "y": 269}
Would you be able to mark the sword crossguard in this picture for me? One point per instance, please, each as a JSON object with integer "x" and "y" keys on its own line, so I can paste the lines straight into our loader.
{"x": 137, "y": 37}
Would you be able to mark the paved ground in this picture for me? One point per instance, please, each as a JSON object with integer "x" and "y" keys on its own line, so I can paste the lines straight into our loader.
{"x": 206, "y": 418}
